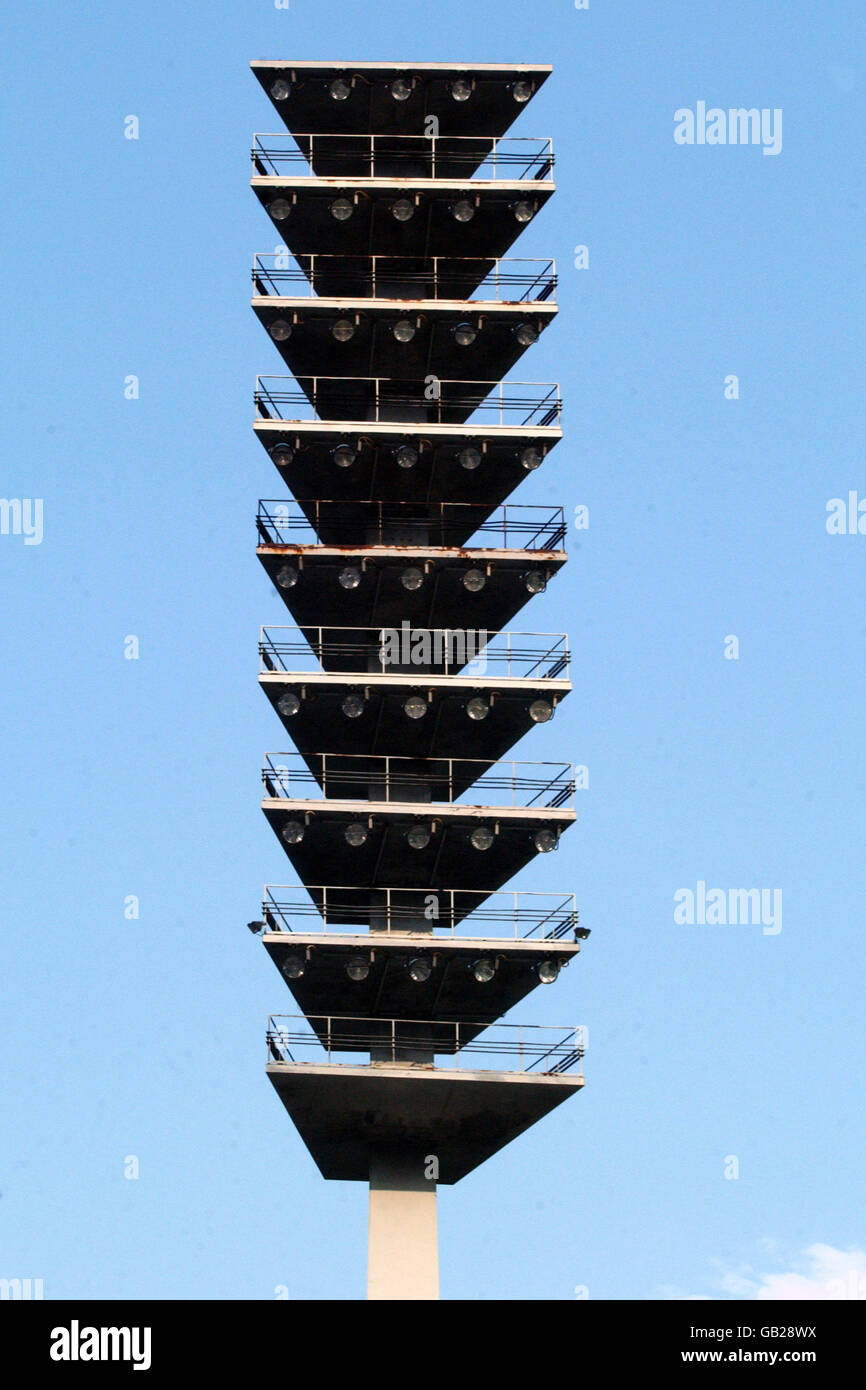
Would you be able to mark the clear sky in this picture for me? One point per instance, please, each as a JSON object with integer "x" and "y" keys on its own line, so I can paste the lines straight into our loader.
{"x": 707, "y": 521}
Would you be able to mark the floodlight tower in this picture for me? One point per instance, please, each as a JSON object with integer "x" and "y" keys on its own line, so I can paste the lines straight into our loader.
{"x": 397, "y": 194}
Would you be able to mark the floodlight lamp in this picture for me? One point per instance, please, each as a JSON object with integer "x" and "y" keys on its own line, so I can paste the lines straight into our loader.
{"x": 540, "y": 711}
{"x": 484, "y": 970}
{"x": 531, "y": 457}
{"x": 544, "y": 841}
{"x": 406, "y": 456}
{"x": 464, "y": 334}
{"x": 343, "y": 330}
{"x": 353, "y": 706}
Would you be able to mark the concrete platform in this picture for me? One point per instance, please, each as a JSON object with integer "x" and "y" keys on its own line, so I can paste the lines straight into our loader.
{"x": 343, "y": 1113}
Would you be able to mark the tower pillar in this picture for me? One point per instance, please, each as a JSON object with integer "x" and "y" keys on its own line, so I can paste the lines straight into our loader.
{"x": 403, "y": 1252}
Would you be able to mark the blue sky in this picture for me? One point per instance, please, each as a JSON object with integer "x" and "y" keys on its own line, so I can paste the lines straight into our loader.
{"x": 707, "y": 520}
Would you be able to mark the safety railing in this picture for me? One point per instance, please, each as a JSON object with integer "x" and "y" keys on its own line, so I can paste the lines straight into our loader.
{"x": 509, "y": 157}
{"x": 380, "y": 777}
{"x": 510, "y": 280}
{"x": 535, "y": 656}
{"x": 443, "y": 912}
{"x": 531, "y": 528}
{"x": 521, "y": 1047}
{"x": 518, "y": 403}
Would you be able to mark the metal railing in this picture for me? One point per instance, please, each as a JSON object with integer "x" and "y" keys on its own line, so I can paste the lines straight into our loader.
{"x": 504, "y": 282}
{"x": 522, "y": 1047}
{"x": 507, "y": 157}
{"x": 543, "y": 916}
{"x": 531, "y": 528}
{"x": 537, "y": 656}
{"x": 380, "y": 777}
{"x": 524, "y": 403}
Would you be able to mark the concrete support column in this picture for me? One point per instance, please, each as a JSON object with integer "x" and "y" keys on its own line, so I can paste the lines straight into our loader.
{"x": 403, "y": 1258}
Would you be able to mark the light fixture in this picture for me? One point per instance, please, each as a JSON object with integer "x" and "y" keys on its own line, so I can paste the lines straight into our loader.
{"x": 531, "y": 457}
{"x": 287, "y": 577}
{"x": 524, "y": 211}
{"x": 412, "y": 578}
{"x": 293, "y": 832}
{"x": 281, "y": 90}
{"x": 484, "y": 970}
{"x": 415, "y": 707}
{"x": 293, "y": 967}
{"x": 547, "y": 971}
{"x": 353, "y": 706}
{"x": 464, "y": 334}
{"x": 581, "y": 933}
{"x": 350, "y": 577}
{"x": 340, "y": 89}
{"x": 461, "y": 89}
{"x": 540, "y": 711}
{"x": 521, "y": 91}
{"x": 344, "y": 455}
{"x": 256, "y": 927}
{"x": 282, "y": 455}
{"x": 463, "y": 210}
{"x": 279, "y": 208}
{"x": 526, "y": 334}
{"x": 358, "y": 968}
{"x": 403, "y": 330}
{"x": 343, "y": 330}
{"x": 280, "y": 330}
{"x": 482, "y": 838}
{"x": 469, "y": 458}
{"x": 355, "y": 834}
{"x": 544, "y": 841}
{"x": 289, "y": 703}
{"x": 419, "y": 970}
{"x": 477, "y": 708}
{"x": 406, "y": 456}
{"x": 401, "y": 89}
{"x": 535, "y": 581}
{"x": 403, "y": 210}
{"x": 474, "y": 581}
{"x": 342, "y": 209}
{"x": 418, "y": 836}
